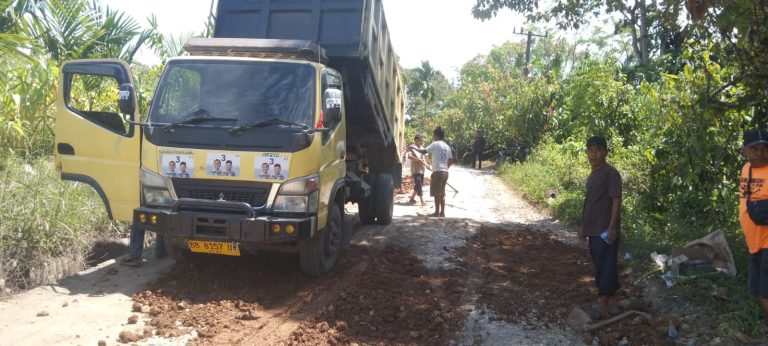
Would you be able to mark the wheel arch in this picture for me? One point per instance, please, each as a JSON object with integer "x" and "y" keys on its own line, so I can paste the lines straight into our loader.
{"x": 94, "y": 184}
{"x": 338, "y": 194}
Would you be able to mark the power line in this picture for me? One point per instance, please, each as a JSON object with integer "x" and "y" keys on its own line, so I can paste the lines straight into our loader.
{"x": 528, "y": 46}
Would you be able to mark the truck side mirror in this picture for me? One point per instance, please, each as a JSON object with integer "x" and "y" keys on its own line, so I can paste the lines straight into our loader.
{"x": 333, "y": 115}
{"x": 332, "y": 81}
{"x": 332, "y": 107}
{"x": 126, "y": 100}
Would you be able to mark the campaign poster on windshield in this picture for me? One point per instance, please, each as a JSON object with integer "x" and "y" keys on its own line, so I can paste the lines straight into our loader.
{"x": 223, "y": 165}
{"x": 272, "y": 166}
{"x": 178, "y": 166}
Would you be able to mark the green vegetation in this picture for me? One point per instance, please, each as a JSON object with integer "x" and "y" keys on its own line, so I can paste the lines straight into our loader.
{"x": 672, "y": 99}
{"x": 45, "y": 217}
{"x": 672, "y": 96}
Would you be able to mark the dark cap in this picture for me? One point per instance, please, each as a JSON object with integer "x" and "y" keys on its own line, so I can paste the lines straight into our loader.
{"x": 755, "y": 136}
{"x": 598, "y": 141}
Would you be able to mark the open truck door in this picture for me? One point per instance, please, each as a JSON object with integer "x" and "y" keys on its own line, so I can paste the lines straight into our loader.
{"x": 94, "y": 142}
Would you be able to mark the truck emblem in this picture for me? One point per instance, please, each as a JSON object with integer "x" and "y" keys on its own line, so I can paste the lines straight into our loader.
{"x": 221, "y": 196}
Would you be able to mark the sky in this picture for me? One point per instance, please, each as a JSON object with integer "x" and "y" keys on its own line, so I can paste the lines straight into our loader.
{"x": 440, "y": 31}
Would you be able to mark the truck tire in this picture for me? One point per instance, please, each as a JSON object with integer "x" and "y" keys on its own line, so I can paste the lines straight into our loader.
{"x": 384, "y": 198}
{"x": 318, "y": 254}
{"x": 346, "y": 233}
{"x": 366, "y": 208}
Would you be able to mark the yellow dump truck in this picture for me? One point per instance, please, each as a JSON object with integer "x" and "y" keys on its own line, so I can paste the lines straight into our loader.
{"x": 255, "y": 141}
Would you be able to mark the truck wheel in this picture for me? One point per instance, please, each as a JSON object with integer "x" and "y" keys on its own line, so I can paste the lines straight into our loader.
{"x": 384, "y": 198}
{"x": 318, "y": 254}
{"x": 365, "y": 207}
{"x": 346, "y": 233}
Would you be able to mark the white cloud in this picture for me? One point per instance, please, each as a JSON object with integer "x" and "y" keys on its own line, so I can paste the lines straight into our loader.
{"x": 444, "y": 32}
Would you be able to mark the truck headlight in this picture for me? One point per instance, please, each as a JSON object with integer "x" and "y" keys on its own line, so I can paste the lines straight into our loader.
{"x": 302, "y": 186}
{"x": 157, "y": 197}
{"x": 155, "y": 189}
{"x": 297, "y": 196}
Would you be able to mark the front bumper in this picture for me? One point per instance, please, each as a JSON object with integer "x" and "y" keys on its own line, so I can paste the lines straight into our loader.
{"x": 222, "y": 221}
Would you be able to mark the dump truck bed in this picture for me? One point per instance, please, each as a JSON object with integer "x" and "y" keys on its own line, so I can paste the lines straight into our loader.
{"x": 356, "y": 40}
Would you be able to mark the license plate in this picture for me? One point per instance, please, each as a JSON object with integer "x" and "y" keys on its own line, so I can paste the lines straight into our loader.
{"x": 214, "y": 247}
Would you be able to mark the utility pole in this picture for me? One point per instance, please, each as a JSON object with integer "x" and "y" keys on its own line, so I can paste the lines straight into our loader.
{"x": 528, "y": 46}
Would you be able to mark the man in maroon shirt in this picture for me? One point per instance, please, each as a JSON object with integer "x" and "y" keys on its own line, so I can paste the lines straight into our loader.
{"x": 601, "y": 223}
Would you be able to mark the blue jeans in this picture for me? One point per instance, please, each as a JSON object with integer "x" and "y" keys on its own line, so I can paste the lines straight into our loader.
{"x": 136, "y": 246}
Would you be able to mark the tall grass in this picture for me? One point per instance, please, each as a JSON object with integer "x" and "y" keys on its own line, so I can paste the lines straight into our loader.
{"x": 43, "y": 217}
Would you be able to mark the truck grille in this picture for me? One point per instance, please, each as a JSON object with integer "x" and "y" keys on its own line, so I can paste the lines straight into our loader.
{"x": 255, "y": 194}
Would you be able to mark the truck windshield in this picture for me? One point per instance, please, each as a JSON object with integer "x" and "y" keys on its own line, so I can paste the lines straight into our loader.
{"x": 234, "y": 93}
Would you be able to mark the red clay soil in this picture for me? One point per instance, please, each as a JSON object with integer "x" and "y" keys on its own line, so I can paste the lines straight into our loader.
{"x": 391, "y": 299}
{"x": 407, "y": 187}
{"x": 386, "y": 297}
{"x": 395, "y": 302}
{"x": 528, "y": 278}
{"x": 215, "y": 295}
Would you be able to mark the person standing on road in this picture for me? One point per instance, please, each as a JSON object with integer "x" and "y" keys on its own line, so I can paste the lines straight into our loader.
{"x": 136, "y": 247}
{"x": 478, "y": 146}
{"x": 417, "y": 170}
{"x": 754, "y": 175}
{"x": 442, "y": 159}
{"x": 601, "y": 223}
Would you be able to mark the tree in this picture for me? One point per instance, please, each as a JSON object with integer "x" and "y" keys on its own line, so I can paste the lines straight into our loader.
{"x": 734, "y": 32}
{"x": 438, "y": 90}
{"x": 210, "y": 22}
{"x": 651, "y": 24}
{"x": 11, "y": 39}
{"x": 36, "y": 36}
{"x": 167, "y": 46}
{"x": 495, "y": 97}
{"x": 422, "y": 84}
{"x": 78, "y": 29}
{"x": 737, "y": 37}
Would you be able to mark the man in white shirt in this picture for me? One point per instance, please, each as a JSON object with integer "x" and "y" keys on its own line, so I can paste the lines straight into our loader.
{"x": 442, "y": 159}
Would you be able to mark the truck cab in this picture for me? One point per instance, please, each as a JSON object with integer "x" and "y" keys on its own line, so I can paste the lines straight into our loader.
{"x": 247, "y": 147}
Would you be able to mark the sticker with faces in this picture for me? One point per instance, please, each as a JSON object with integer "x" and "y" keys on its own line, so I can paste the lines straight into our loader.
{"x": 222, "y": 165}
{"x": 273, "y": 166}
{"x": 178, "y": 166}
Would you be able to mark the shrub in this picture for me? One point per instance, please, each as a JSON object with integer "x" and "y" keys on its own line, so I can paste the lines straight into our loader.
{"x": 43, "y": 217}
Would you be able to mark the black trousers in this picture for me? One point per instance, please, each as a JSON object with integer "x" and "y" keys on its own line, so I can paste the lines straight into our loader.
{"x": 477, "y": 157}
{"x": 605, "y": 258}
{"x": 757, "y": 278}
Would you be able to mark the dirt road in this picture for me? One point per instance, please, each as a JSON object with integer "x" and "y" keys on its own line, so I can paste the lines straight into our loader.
{"x": 494, "y": 271}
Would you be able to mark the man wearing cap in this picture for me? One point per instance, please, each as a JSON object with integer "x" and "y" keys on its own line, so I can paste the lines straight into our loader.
{"x": 756, "y": 151}
{"x": 601, "y": 223}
